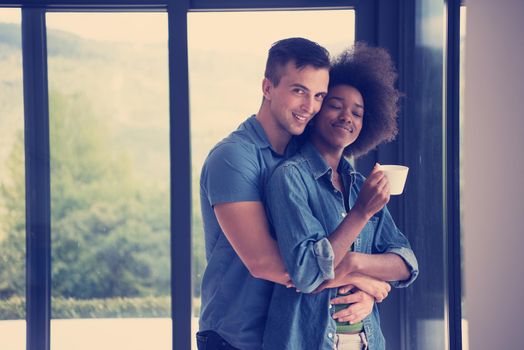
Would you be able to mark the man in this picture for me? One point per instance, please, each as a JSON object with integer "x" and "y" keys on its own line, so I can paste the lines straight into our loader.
{"x": 242, "y": 258}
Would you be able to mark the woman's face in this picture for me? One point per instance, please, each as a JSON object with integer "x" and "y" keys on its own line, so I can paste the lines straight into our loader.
{"x": 339, "y": 121}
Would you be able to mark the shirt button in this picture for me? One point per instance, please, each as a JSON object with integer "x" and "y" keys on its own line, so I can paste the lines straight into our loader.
{"x": 330, "y": 335}
{"x": 330, "y": 306}
{"x": 343, "y": 214}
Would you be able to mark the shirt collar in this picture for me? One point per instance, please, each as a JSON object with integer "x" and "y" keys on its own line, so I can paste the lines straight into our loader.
{"x": 259, "y": 135}
{"x": 318, "y": 165}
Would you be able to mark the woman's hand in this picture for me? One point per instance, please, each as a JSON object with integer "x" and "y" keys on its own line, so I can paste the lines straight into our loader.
{"x": 361, "y": 306}
{"x": 374, "y": 194}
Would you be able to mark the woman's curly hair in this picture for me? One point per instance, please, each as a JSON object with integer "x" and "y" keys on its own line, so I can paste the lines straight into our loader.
{"x": 371, "y": 71}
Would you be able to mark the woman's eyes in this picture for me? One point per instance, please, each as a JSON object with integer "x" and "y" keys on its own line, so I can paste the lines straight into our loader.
{"x": 340, "y": 107}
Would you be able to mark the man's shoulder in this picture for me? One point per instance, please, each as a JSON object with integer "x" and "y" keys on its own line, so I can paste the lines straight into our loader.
{"x": 232, "y": 148}
{"x": 237, "y": 153}
{"x": 240, "y": 140}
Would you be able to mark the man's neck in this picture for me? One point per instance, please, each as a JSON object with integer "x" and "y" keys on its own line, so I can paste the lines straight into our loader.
{"x": 278, "y": 137}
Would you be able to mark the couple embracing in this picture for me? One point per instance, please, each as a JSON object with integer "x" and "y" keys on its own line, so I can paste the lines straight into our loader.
{"x": 299, "y": 246}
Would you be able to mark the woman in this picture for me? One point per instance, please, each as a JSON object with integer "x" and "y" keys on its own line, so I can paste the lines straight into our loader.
{"x": 321, "y": 209}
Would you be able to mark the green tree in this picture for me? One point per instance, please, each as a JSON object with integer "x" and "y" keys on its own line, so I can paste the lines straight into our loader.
{"x": 110, "y": 230}
{"x": 12, "y": 224}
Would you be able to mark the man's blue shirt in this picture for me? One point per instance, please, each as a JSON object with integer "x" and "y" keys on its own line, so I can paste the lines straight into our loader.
{"x": 305, "y": 208}
{"x": 234, "y": 303}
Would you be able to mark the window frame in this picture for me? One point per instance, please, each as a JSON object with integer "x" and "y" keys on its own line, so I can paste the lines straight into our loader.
{"x": 36, "y": 111}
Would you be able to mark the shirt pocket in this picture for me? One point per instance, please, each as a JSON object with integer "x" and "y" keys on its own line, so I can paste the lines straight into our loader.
{"x": 365, "y": 238}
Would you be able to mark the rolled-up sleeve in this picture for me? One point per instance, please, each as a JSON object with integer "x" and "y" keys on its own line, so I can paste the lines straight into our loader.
{"x": 301, "y": 238}
{"x": 411, "y": 262}
{"x": 389, "y": 239}
{"x": 325, "y": 256}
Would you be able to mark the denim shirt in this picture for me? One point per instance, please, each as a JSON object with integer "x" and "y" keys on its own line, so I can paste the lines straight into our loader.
{"x": 234, "y": 303}
{"x": 305, "y": 208}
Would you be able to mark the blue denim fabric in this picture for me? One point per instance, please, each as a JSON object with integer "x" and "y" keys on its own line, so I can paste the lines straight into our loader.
{"x": 304, "y": 208}
{"x": 234, "y": 303}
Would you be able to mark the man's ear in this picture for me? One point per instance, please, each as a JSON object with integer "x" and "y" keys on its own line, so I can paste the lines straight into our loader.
{"x": 267, "y": 85}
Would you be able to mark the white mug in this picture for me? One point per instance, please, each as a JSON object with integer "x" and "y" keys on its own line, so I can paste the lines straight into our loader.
{"x": 396, "y": 175}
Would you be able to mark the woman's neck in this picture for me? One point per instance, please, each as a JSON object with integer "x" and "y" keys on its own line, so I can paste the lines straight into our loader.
{"x": 330, "y": 155}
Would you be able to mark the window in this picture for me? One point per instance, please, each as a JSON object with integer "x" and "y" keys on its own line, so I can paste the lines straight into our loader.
{"x": 425, "y": 216}
{"x": 109, "y": 141}
{"x": 226, "y": 68}
{"x": 119, "y": 150}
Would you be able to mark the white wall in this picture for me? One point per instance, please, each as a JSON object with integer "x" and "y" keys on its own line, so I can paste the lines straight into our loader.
{"x": 494, "y": 174}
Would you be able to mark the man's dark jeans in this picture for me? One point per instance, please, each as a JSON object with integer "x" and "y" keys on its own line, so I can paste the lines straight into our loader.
{"x": 209, "y": 340}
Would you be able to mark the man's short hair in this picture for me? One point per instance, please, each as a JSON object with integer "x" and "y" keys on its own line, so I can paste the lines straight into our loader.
{"x": 302, "y": 52}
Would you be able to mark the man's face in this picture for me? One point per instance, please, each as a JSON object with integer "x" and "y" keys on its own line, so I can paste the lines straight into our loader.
{"x": 297, "y": 97}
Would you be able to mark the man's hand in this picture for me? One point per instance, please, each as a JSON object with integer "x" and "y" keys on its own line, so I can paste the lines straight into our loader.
{"x": 376, "y": 288}
{"x": 361, "y": 306}
{"x": 372, "y": 286}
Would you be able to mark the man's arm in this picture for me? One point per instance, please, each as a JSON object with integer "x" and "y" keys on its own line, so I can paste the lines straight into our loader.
{"x": 230, "y": 183}
{"x": 384, "y": 267}
{"x": 247, "y": 229}
{"x": 378, "y": 289}
{"x": 256, "y": 248}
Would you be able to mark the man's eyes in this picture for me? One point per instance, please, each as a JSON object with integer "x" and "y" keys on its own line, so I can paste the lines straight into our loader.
{"x": 299, "y": 91}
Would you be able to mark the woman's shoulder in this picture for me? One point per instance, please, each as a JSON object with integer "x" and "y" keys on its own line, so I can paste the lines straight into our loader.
{"x": 291, "y": 170}
{"x": 292, "y": 165}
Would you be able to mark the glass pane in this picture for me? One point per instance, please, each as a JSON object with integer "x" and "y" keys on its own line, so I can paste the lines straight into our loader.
{"x": 109, "y": 135}
{"x": 12, "y": 184}
{"x": 425, "y": 300}
{"x": 226, "y": 76}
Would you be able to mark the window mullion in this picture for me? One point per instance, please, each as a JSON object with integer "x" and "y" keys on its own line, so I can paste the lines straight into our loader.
{"x": 452, "y": 119}
{"x": 38, "y": 231}
{"x": 181, "y": 254}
